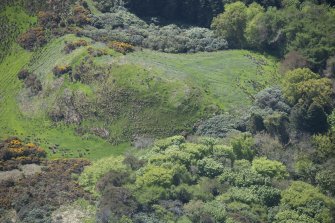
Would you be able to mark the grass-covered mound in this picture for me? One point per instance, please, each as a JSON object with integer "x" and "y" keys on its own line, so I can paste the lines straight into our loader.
{"x": 100, "y": 92}
{"x": 76, "y": 95}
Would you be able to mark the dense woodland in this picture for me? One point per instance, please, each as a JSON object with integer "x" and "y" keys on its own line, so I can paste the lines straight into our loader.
{"x": 194, "y": 157}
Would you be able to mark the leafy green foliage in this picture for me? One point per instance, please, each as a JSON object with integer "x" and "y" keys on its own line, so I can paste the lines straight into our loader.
{"x": 243, "y": 146}
{"x": 243, "y": 178}
{"x": 306, "y": 169}
{"x": 311, "y": 96}
{"x": 331, "y": 121}
{"x": 302, "y": 85}
{"x": 276, "y": 124}
{"x": 270, "y": 168}
{"x": 102, "y": 96}
{"x": 325, "y": 178}
{"x": 209, "y": 167}
{"x": 165, "y": 143}
{"x": 324, "y": 146}
{"x": 308, "y": 201}
{"x": 91, "y": 175}
{"x": 294, "y": 28}
{"x": 155, "y": 175}
{"x": 232, "y": 23}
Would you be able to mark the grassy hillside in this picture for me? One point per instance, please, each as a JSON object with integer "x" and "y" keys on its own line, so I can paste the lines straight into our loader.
{"x": 228, "y": 77}
{"x": 144, "y": 93}
{"x": 40, "y": 128}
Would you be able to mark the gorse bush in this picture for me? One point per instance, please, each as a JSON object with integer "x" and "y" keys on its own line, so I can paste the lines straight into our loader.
{"x": 121, "y": 47}
{"x": 32, "y": 83}
{"x": 61, "y": 69}
{"x": 13, "y": 153}
{"x": 69, "y": 47}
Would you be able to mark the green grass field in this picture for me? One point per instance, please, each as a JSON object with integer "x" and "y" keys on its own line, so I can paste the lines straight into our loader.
{"x": 227, "y": 76}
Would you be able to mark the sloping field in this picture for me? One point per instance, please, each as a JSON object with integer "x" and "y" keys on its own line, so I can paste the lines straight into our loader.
{"x": 230, "y": 77}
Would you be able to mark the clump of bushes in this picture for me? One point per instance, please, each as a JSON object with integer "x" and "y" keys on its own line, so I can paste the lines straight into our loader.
{"x": 35, "y": 198}
{"x": 61, "y": 69}
{"x": 121, "y": 47}
{"x": 48, "y": 19}
{"x": 122, "y": 26}
{"x": 220, "y": 126}
{"x": 69, "y": 47}
{"x": 55, "y": 19}
{"x": 33, "y": 83}
{"x": 94, "y": 52}
{"x": 13, "y": 152}
{"x": 80, "y": 15}
{"x": 179, "y": 181}
{"x": 33, "y": 38}
{"x": 87, "y": 71}
{"x": 68, "y": 106}
{"x": 23, "y": 74}
{"x": 30, "y": 81}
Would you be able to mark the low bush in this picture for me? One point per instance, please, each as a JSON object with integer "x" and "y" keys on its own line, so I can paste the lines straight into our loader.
{"x": 121, "y": 47}
{"x": 69, "y": 47}
{"x": 220, "y": 126}
{"x": 61, "y": 69}
{"x": 48, "y": 19}
{"x": 13, "y": 152}
{"x": 92, "y": 174}
{"x": 33, "y": 83}
{"x": 23, "y": 74}
{"x": 69, "y": 107}
{"x": 95, "y": 52}
{"x": 80, "y": 15}
{"x": 33, "y": 38}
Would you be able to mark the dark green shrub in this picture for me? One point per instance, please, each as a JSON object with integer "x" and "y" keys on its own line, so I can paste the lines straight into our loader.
{"x": 33, "y": 83}
{"x": 61, "y": 69}
{"x": 69, "y": 47}
{"x": 33, "y": 38}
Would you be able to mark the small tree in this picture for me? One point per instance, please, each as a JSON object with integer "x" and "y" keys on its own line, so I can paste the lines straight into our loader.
{"x": 270, "y": 168}
{"x": 304, "y": 86}
{"x": 243, "y": 147}
{"x": 232, "y": 23}
{"x": 225, "y": 152}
